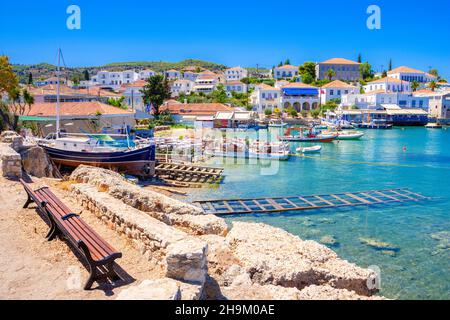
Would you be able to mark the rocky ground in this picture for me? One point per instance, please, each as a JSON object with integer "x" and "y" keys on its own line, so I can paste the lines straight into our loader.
{"x": 171, "y": 250}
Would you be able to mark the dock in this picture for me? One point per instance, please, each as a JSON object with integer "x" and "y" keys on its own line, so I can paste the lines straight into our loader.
{"x": 189, "y": 173}
{"x": 309, "y": 202}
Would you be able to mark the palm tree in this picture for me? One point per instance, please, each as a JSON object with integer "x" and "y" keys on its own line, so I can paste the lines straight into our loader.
{"x": 414, "y": 85}
{"x": 432, "y": 85}
{"x": 330, "y": 74}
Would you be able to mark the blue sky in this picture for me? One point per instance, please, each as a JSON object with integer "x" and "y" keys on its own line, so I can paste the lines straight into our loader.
{"x": 232, "y": 32}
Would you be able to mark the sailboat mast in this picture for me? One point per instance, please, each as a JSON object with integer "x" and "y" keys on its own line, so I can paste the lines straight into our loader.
{"x": 58, "y": 88}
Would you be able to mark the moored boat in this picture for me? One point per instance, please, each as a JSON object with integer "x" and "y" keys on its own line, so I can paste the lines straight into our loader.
{"x": 433, "y": 125}
{"x": 313, "y": 149}
{"x": 307, "y": 135}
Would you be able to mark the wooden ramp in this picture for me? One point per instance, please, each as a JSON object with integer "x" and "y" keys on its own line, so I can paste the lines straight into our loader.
{"x": 189, "y": 173}
{"x": 309, "y": 202}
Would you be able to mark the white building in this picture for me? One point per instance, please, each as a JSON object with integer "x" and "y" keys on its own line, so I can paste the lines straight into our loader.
{"x": 207, "y": 82}
{"x": 286, "y": 71}
{"x": 133, "y": 95}
{"x": 190, "y": 75}
{"x": 172, "y": 74}
{"x": 265, "y": 97}
{"x": 300, "y": 96}
{"x": 235, "y": 74}
{"x": 409, "y": 74}
{"x": 145, "y": 74}
{"x": 344, "y": 69}
{"x": 388, "y": 84}
{"x": 181, "y": 86}
{"x": 114, "y": 79}
{"x": 379, "y": 100}
{"x": 439, "y": 103}
{"x": 235, "y": 86}
{"x": 335, "y": 90}
{"x": 51, "y": 80}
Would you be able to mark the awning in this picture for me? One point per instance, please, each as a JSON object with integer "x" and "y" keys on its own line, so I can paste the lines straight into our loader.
{"x": 412, "y": 112}
{"x": 37, "y": 119}
{"x": 300, "y": 91}
{"x": 224, "y": 115}
{"x": 391, "y": 106}
{"x": 242, "y": 116}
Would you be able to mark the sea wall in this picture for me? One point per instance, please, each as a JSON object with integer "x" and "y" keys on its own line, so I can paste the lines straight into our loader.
{"x": 250, "y": 261}
{"x": 10, "y": 162}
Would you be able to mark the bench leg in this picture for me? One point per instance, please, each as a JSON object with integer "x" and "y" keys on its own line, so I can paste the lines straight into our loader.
{"x": 53, "y": 231}
{"x": 92, "y": 277}
{"x": 112, "y": 274}
{"x": 28, "y": 202}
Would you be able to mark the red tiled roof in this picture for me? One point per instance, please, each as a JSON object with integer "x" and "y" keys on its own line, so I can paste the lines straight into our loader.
{"x": 338, "y": 84}
{"x": 195, "y": 109}
{"x": 75, "y": 109}
{"x": 339, "y": 61}
{"x": 287, "y": 66}
{"x": 404, "y": 69}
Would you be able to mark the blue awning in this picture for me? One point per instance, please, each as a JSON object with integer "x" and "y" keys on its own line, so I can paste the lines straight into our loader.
{"x": 300, "y": 91}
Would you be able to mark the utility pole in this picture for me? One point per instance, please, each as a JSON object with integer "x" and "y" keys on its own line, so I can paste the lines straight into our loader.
{"x": 58, "y": 93}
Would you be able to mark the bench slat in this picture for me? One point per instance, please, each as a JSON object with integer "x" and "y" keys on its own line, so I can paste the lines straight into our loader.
{"x": 80, "y": 221}
{"x": 88, "y": 234}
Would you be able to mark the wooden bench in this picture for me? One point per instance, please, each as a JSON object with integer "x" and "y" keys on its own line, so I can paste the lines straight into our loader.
{"x": 99, "y": 254}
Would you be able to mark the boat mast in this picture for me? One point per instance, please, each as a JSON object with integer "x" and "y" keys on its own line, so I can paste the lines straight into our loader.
{"x": 58, "y": 88}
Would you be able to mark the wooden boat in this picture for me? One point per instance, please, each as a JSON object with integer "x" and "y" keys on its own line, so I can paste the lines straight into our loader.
{"x": 75, "y": 151}
{"x": 313, "y": 149}
{"x": 309, "y": 136}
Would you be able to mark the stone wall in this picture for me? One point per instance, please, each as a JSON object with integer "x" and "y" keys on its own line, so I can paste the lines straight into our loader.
{"x": 250, "y": 261}
{"x": 10, "y": 162}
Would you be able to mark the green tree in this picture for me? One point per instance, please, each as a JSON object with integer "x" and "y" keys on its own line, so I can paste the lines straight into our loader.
{"x": 414, "y": 85}
{"x": 20, "y": 104}
{"x": 432, "y": 85}
{"x": 8, "y": 79}
{"x": 390, "y": 64}
{"x": 307, "y": 71}
{"x": 359, "y": 58}
{"x": 155, "y": 92}
{"x": 30, "y": 79}
{"x": 287, "y": 61}
{"x": 330, "y": 74}
{"x": 117, "y": 102}
{"x": 86, "y": 75}
{"x": 366, "y": 71}
{"x": 280, "y": 64}
{"x": 268, "y": 112}
{"x": 219, "y": 95}
{"x": 435, "y": 73}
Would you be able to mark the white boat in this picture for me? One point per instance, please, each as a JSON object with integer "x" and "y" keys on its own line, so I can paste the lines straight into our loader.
{"x": 277, "y": 124}
{"x": 312, "y": 149}
{"x": 433, "y": 126}
{"x": 349, "y": 135}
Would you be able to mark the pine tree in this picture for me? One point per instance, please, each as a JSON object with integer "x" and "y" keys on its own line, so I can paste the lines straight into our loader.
{"x": 86, "y": 75}
{"x": 390, "y": 65}
{"x": 359, "y": 58}
{"x": 30, "y": 79}
{"x": 287, "y": 62}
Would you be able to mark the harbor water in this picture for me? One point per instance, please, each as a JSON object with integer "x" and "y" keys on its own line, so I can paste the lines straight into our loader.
{"x": 409, "y": 242}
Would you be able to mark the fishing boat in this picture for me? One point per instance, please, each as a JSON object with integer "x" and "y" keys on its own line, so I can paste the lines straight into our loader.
{"x": 313, "y": 149}
{"x": 277, "y": 124}
{"x": 433, "y": 125}
{"x": 100, "y": 150}
{"x": 240, "y": 148}
{"x": 307, "y": 135}
{"x": 347, "y": 134}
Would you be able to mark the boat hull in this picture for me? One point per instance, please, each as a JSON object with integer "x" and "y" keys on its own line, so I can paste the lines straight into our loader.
{"x": 350, "y": 136}
{"x": 136, "y": 162}
{"x": 300, "y": 139}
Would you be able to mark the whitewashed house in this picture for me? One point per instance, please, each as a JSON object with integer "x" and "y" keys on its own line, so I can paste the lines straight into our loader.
{"x": 235, "y": 74}
{"x": 145, "y": 74}
{"x": 114, "y": 79}
{"x": 286, "y": 71}
{"x": 265, "y": 97}
{"x": 379, "y": 100}
{"x": 409, "y": 74}
{"x": 181, "y": 86}
{"x": 335, "y": 90}
{"x": 439, "y": 104}
{"x": 172, "y": 74}
{"x": 133, "y": 95}
{"x": 388, "y": 84}
{"x": 207, "y": 82}
{"x": 235, "y": 86}
{"x": 300, "y": 96}
{"x": 190, "y": 75}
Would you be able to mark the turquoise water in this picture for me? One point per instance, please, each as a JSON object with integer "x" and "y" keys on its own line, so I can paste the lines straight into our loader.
{"x": 416, "y": 158}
